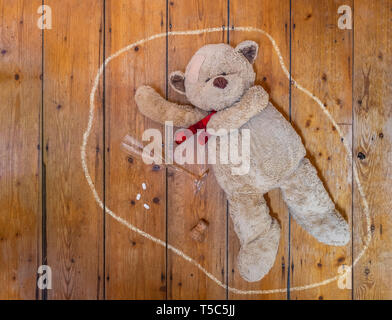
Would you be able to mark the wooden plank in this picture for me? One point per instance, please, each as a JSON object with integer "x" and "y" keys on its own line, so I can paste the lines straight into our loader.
{"x": 135, "y": 266}
{"x": 20, "y": 96}
{"x": 373, "y": 137}
{"x": 322, "y": 63}
{"x": 73, "y": 54}
{"x": 185, "y": 207}
{"x": 273, "y": 17}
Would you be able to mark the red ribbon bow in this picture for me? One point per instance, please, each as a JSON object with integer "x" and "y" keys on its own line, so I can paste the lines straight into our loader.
{"x": 200, "y": 125}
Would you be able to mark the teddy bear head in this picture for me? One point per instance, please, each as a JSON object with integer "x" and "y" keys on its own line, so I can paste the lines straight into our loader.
{"x": 217, "y": 75}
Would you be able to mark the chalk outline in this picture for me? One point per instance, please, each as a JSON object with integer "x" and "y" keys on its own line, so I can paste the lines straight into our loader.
{"x": 174, "y": 249}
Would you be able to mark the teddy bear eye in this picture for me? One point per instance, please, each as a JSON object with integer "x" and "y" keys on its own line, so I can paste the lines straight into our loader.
{"x": 223, "y": 74}
{"x": 208, "y": 79}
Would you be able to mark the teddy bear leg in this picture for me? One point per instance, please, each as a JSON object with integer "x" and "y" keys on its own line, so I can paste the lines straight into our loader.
{"x": 312, "y": 208}
{"x": 258, "y": 233}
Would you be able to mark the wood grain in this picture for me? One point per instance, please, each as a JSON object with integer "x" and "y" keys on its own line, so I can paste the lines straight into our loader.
{"x": 322, "y": 63}
{"x": 20, "y": 96}
{"x": 93, "y": 256}
{"x": 373, "y": 137}
{"x": 273, "y": 17}
{"x": 185, "y": 207}
{"x": 73, "y": 54}
{"x": 135, "y": 266}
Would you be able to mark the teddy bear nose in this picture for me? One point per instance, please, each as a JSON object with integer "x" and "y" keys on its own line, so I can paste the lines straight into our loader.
{"x": 220, "y": 82}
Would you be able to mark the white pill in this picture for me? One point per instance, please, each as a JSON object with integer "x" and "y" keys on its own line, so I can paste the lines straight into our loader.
{"x": 146, "y": 206}
{"x": 138, "y": 196}
{"x": 144, "y": 186}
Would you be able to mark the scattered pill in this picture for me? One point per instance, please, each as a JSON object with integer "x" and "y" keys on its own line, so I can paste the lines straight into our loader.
{"x": 144, "y": 186}
{"x": 138, "y": 196}
{"x": 146, "y": 206}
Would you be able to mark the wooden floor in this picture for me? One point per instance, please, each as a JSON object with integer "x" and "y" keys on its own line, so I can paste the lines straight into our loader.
{"x": 48, "y": 214}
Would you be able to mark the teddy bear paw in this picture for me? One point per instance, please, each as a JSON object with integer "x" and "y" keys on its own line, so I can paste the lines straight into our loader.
{"x": 333, "y": 230}
{"x": 257, "y": 257}
{"x": 143, "y": 91}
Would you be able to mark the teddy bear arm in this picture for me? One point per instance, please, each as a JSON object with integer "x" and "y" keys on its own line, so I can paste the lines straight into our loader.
{"x": 229, "y": 119}
{"x": 253, "y": 102}
{"x": 153, "y": 106}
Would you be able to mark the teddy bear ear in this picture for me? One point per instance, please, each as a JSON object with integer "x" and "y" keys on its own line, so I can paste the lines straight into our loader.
{"x": 249, "y": 49}
{"x": 177, "y": 81}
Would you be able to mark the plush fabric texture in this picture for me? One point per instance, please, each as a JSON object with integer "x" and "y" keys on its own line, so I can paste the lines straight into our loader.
{"x": 220, "y": 77}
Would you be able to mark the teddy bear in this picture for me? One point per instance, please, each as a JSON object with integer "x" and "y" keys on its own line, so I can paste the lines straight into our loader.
{"x": 221, "y": 79}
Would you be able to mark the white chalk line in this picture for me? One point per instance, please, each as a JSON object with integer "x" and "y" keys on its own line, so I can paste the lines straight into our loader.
{"x": 174, "y": 249}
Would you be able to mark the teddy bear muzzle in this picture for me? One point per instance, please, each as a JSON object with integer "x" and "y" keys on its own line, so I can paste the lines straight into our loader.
{"x": 220, "y": 82}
